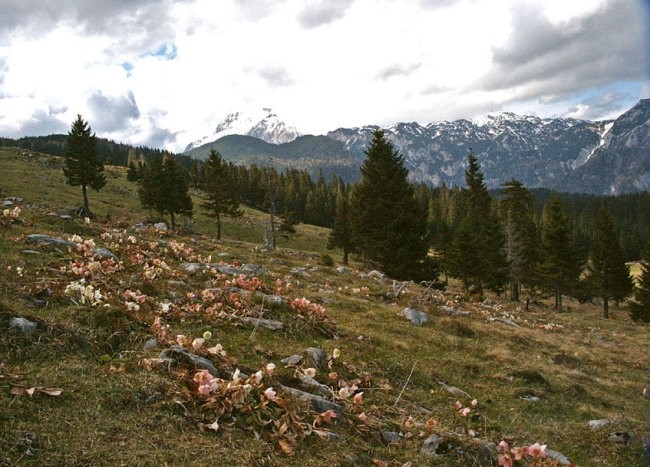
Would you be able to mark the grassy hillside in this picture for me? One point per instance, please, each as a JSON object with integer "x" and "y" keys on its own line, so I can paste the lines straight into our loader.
{"x": 99, "y": 383}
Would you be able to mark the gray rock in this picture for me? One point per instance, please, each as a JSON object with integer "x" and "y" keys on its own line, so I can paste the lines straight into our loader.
{"x": 47, "y": 240}
{"x": 300, "y": 271}
{"x": 503, "y": 321}
{"x": 26, "y": 326}
{"x": 65, "y": 217}
{"x": 415, "y": 316}
{"x": 317, "y": 403}
{"x": 560, "y": 458}
{"x": 389, "y": 437}
{"x": 273, "y": 301}
{"x": 293, "y": 360}
{"x": 431, "y": 445}
{"x": 598, "y": 424}
{"x": 150, "y": 344}
{"x": 265, "y": 323}
{"x": 374, "y": 274}
{"x": 450, "y": 310}
{"x": 310, "y": 384}
{"x": 223, "y": 254}
{"x": 530, "y": 398}
{"x": 105, "y": 253}
{"x": 8, "y": 202}
{"x": 342, "y": 270}
{"x": 30, "y": 252}
{"x": 319, "y": 356}
{"x": 161, "y": 226}
{"x": 178, "y": 354}
{"x": 193, "y": 268}
{"x": 251, "y": 268}
{"x": 454, "y": 390}
{"x": 621, "y": 437}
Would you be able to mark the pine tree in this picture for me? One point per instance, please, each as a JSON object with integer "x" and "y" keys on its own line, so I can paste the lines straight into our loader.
{"x": 562, "y": 263}
{"x": 479, "y": 226}
{"x": 609, "y": 273}
{"x": 388, "y": 224}
{"x": 341, "y": 235}
{"x": 132, "y": 174}
{"x": 174, "y": 184}
{"x": 521, "y": 235}
{"x": 82, "y": 166}
{"x": 151, "y": 190}
{"x": 220, "y": 190}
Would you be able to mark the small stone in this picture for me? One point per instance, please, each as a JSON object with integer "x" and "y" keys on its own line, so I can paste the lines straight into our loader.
{"x": 293, "y": 360}
{"x": 450, "y": 310}
{"x": 374, "y": 274}
{"x": 30, "y": 252}
{"x": 530, "y": 398}
{"x": 431, "y": 445}
{"x": 105, "y": 253}
{"x": 598, "y": 424}
{"x": 161, "y": 226}
{"x": 319, "y": 356}
{"x": 150, "y": 344}
{"x": 342, "y": 270}
{"x": 390, "y": 437}
{"x": 26, "y": 326}
{"x": 415, "y": 316}
{"x": 622, "y": 437}
{"x": 265, "y": 323}
{"x": 558, "y": 457}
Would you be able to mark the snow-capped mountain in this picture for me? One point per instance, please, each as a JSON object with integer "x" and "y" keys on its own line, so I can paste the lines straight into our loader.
{"x": 567, "y": 154}
{"x": 261, "y": 123}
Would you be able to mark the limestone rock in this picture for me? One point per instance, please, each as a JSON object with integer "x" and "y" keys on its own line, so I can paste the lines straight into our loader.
{"x": 319, "y": 356}
{"x": 265, "y": 323}
{"x": 415, "y": 316}
{"x": 560, "y": 458}
{"x": 317, "y": 403}
{"x": 598, "y": 424}
{"x": 431, "y": 445}
{"x": 26, "y": 326}
{"x": 292, "y": 360}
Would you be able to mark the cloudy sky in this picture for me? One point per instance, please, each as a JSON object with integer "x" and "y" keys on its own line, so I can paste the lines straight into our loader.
{"x": 165, "y": 72}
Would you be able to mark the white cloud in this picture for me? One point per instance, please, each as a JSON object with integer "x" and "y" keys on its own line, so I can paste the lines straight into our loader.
{"x": 165, "y": 72}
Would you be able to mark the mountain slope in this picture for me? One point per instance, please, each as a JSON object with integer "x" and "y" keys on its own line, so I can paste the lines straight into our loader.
{"x": 558, "y": 153}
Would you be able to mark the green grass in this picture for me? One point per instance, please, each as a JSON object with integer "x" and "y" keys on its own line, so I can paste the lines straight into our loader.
{"x": 114, "y": 410}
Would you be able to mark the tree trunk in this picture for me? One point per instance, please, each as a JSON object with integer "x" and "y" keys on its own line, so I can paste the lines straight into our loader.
{"x": 218, "y": 227}
{"x": 514, "y": 291}
{"x": 558, "y": 301}
{"x": 606, "y": 307}
{"x": 173, "y": 219}
{"x": 85, "y": 212}
{"x": 345, "y": 256}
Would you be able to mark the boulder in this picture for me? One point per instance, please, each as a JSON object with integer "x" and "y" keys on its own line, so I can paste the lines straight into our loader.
{"x": 431, "y": 445}
{"x": 415, "y": 316}
{"x": 47, "y": 240}
{"x": 265, "y": 323}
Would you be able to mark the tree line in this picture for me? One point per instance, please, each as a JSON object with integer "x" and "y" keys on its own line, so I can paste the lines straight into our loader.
{"x": 493, "y": 242}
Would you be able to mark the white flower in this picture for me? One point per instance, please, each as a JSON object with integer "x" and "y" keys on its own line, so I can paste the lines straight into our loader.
{"x": 311, "y": 372}
{"x": 197, "y": 343}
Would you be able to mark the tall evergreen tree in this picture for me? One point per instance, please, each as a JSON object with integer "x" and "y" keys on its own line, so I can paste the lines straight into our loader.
{"x": 388, "y": 224}
{"x": 341, "y": 235}
{"x": 521, "y": 235}
{"x": 609, "y": 273}
{"x": 177, "y": 197}
{"x": 220, "y": 190}
{"x": 82, "y": 165}
{"x": 151, "y": 190}
{"x": 562, "y": 264}
{"x": 480, "y": 226}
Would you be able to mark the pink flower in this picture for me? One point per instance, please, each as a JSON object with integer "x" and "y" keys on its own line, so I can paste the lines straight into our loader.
{"x": 328, "y": 415}
{"x": 505, "y": 460}
{"x": 537, "y": 450}
{"x": 458, "y": 405}
{"x": 465, "y": 412}
{"x": 363, "y": 417}
{"x": 358, "y": 398}
{"x": 520, "y": 453}
{"x": 270, "y": 394}
{"x": 503, "y": 446}
{"x": 474, "y": 403}
{"x": 270, "y": 367}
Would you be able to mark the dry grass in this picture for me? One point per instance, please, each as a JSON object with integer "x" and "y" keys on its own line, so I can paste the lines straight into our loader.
{"x": 114, "y": 411}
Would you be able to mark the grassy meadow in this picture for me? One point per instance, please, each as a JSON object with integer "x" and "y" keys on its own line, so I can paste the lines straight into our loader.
{"x": 88, "y": 385}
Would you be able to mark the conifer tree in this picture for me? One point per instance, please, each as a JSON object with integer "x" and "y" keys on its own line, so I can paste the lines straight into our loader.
{"x": 521, "y": 235}
{"x": 220, "y": 190}
{"x": 82, "y": 165}
{"x": 640, "y": 306}
{"x": 175, "y": 187}
{"x": 151, "y": 190}
{"x": 479, "y": 226}
{"x": 132, "y": 174}
{"x": 562, "y": 260}
{"x": 341, "y": 235}
{"x": 388, "y": 224}
{"x": 609, "y": 273}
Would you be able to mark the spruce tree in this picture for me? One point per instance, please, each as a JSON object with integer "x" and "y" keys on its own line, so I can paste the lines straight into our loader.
{"x": 220, "y": 190}
{"x": 151, "y": 190}
{"x": 82, "y": 165}
{"x": 562, "y": 261}
{"x": 480, "y": 226}
{"x": 609, "y": 273}
{"x": 521, "y": 235}
{"x": 341, "y": 235}
{"x": 388, "y": 224}
{"x": 175, "y": 187}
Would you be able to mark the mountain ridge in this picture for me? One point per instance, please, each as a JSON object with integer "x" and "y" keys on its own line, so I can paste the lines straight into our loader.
{"x": 565, "y": 154}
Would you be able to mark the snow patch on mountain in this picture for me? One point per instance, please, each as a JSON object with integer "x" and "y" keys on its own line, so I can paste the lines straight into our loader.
{"x": 259, "y": 123}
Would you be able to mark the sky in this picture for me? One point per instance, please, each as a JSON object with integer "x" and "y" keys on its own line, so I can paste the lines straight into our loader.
{"x": 164, "y": 73}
